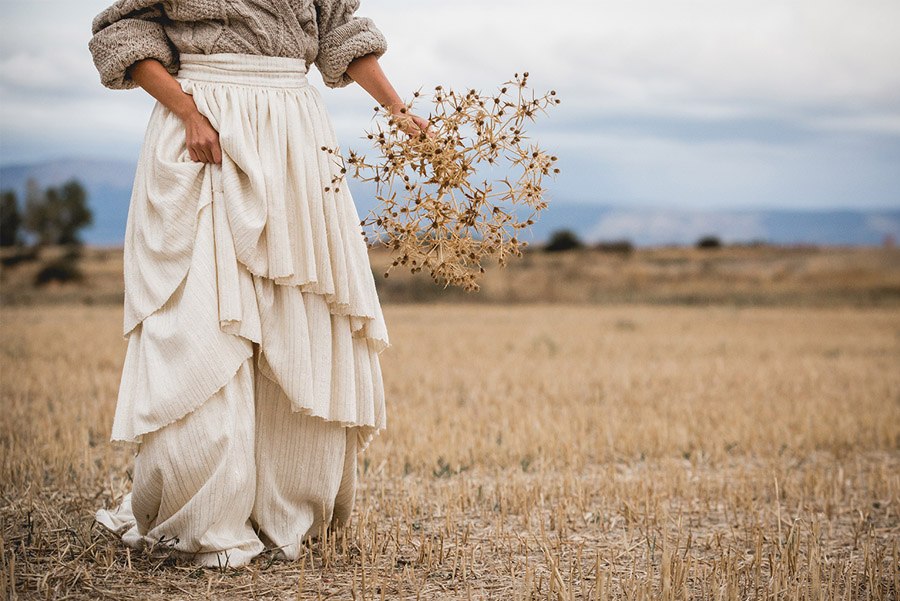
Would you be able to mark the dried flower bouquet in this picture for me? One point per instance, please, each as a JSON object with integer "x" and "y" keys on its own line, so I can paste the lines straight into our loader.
{"x": 436, "y": 209}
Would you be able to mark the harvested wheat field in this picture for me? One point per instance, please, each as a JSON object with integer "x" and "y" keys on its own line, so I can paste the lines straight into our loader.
{"x": 532, "y": 452}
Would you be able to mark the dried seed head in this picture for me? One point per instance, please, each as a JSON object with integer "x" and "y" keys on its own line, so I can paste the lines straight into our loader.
{"x": 432, "y": 212}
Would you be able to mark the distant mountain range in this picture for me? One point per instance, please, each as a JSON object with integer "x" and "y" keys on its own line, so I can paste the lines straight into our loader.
{"x": 109, "y": 191}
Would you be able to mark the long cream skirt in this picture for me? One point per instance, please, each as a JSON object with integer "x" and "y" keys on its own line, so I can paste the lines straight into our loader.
{"x": 252, "y": 376}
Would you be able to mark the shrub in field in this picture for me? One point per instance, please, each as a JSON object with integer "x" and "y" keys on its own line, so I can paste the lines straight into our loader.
{"x": 19, "y": 255}
{"x": 65, "y": 269}
{"x": 562, "y": 240}
{"x": 437, "y": 211}
{"x": 709, "y": 242}
{"x": 624, "y": 247}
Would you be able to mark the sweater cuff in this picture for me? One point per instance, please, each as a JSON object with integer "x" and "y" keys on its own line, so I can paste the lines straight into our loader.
{"x": 358, "y": 37}
{"x": 124, "y": 42}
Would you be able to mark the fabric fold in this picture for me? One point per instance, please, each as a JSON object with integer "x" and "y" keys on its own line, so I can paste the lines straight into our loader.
{"x": 262, "y": 248}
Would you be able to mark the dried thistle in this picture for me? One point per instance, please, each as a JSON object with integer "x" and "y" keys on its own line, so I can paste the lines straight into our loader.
{"x": 436, "y": 211}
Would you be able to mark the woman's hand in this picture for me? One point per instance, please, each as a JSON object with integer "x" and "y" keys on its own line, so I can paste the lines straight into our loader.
{"x": 201, "y": 139}
{"x": 366, "y": 71}
{"x": 411, "y": 124}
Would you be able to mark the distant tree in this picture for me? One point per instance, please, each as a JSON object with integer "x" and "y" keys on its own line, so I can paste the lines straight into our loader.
{"x": 709, "y": 242}
{"x": 561, "y": 240}
{"x": 55, "y": 215}
{"x": 35, "y": 218}
{"x": 10, "y": 219}
{"x": 32, "y": 216}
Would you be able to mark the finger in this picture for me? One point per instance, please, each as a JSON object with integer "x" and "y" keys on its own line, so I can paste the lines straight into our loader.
{"x": 193, "y": 154}
{"x": 416, "y": 125}
{"x": 210, "y": 152}
{"x": 205, "y": 154}
{"x": 426, "y": 127}
{"x": 217, "y": 153}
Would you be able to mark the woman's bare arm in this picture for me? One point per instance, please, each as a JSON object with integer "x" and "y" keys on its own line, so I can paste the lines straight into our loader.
{"x": 201, "y": 139}
{"x": 366, "y": 71}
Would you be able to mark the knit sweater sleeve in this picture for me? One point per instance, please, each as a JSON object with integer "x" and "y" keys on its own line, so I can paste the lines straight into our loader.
{"x": 342, "y": 38}
{"x": 126, "y": 32}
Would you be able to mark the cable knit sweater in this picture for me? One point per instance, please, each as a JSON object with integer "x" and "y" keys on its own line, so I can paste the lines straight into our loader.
{"x": 323, "y": 32}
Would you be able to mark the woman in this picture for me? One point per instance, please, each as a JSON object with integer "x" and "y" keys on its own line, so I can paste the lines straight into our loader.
{"x": 251, "y": 378}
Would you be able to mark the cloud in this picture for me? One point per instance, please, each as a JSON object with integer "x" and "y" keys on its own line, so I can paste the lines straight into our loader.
{"x": 699, "y": 102}
{"x": 33, "y": 75}
{"x": 700, "y": 58}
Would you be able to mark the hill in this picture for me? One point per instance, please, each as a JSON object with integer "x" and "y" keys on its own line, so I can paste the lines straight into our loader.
{"x": 732, "y": 275}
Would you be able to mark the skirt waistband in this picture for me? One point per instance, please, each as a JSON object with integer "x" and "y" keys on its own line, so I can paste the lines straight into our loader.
{"x": 246, "y": 69}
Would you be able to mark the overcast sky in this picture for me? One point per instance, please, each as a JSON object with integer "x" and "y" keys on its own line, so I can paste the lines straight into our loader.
{"x": 688, "y": 104}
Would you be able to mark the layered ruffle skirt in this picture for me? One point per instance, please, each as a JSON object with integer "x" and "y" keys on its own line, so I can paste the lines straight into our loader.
{"x": 258, "y": 259}
{"x": 279, "y": 247}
